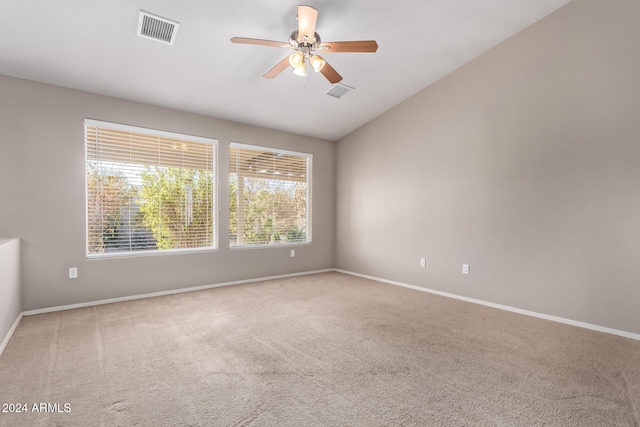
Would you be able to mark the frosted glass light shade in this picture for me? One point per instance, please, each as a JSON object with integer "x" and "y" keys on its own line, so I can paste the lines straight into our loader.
{"x": 317, "y": 62}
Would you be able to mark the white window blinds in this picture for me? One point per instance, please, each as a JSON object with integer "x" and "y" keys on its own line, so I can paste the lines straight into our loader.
{"x": 269, "y": 196}
{"x": 148, "y": 190}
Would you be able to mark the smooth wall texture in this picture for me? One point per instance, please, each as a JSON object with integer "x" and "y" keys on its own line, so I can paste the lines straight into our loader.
{"x": 524, "y": 164}
{"x": 42, "y": 194}
{"x": 10, "y": 292}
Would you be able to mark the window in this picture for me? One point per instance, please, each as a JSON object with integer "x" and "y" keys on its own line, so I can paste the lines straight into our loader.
{"x": 148, "y": 190}
{"x": 269, "y": 196}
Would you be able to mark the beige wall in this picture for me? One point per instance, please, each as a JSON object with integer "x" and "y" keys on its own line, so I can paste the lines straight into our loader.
{"x": 42, "y": 199}
{"x": 524, "y": 163}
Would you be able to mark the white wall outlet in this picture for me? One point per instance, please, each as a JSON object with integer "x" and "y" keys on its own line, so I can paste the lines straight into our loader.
{"x": 465, "y": 268}
{"x": 293, "y": 253}
{"x": 423, "y": 262}
{"x": 73, "y": 273}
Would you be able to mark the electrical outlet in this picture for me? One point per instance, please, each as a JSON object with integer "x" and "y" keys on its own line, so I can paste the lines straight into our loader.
{"x": 465, "y": 268}
{"x": 293, "y": 253}
{"x": 73, "y": 273}
{"x": 423, "y": 262}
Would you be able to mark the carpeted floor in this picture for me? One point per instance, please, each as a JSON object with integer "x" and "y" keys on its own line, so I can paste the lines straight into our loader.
{"x": 320, "y": 350}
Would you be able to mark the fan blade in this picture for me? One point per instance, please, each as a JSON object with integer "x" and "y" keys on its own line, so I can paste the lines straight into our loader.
{"x": 260, "y": 42}
{"x": 307, "y": 17}
{"x": 352, "y": 46}
{"x": 280, "y": 67}
{"x": 330, "y": 73}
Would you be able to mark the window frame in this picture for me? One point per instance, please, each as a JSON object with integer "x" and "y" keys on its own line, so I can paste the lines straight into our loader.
{"x": 309, "y": 198}
{"x": 215, "y": 209}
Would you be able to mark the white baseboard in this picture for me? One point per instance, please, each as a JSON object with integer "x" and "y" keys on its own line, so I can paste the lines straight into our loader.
{"x": 500, "y": 306}
{"x": 170, "y": 292}
{"x": 10, "y": 333}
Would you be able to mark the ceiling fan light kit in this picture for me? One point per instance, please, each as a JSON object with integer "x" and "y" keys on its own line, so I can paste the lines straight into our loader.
{"x": 305, "y": 41}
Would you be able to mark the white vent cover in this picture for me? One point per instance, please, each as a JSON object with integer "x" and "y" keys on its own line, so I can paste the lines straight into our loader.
{"x": 156, "y": 28}
{"x": 339, "y": 90}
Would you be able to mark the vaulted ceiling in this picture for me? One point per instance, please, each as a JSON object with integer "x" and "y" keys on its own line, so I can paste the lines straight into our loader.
{"x": 92, "y": 45}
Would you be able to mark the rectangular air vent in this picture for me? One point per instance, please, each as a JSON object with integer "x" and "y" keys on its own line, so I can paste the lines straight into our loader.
{"x": 339, "y": 90}
{"x": 156, "y": 28}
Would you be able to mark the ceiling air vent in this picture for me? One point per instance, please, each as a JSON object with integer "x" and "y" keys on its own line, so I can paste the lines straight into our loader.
{"x": 156, "y": 28}
{"x": 339, "y": 90}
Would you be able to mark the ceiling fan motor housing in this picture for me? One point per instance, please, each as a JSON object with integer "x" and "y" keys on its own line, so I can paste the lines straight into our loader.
{"x": 305, "y": 42}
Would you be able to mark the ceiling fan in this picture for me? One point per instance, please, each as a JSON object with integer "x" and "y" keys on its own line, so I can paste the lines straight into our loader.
{"x": 305, "y": 41}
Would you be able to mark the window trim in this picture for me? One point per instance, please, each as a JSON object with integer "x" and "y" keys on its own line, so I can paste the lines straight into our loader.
{"x": 309, "y": 200}
{"x": 214, "y": 142}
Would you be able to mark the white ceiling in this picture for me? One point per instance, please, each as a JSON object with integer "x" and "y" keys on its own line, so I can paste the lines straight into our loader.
{"x": 92, "y": 45}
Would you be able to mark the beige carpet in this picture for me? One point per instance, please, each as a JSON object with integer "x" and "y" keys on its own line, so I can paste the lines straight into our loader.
{"x": 320, "y": 350}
